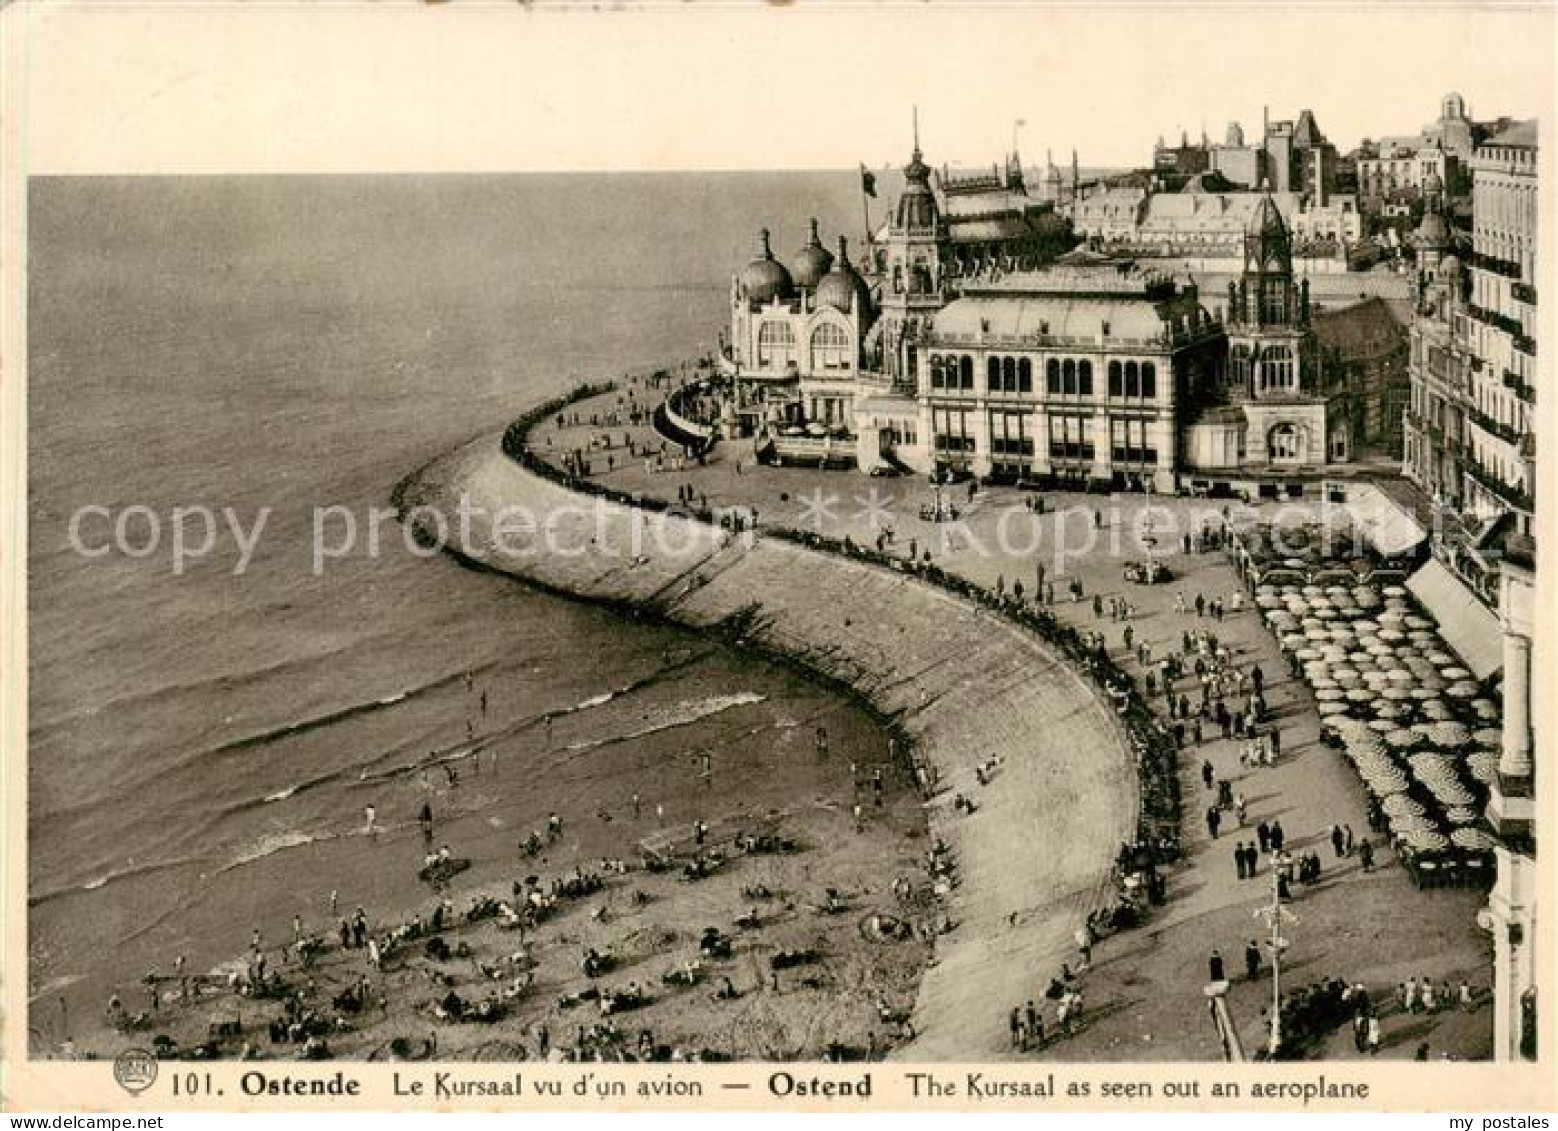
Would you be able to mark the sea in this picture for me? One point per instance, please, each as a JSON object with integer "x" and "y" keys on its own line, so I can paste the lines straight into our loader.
{"x": 211, "y": 711}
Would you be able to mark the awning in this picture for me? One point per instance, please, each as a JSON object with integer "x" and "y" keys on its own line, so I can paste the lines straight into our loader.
{"x": 1390, "y": 529}
{"x": 1467, "y": 625}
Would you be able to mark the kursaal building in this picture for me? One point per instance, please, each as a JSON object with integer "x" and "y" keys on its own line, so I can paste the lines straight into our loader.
{"x": 969, "y": 340}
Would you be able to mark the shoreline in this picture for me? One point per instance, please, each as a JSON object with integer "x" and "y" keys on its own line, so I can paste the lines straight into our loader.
{"x": 1016, "y": 917}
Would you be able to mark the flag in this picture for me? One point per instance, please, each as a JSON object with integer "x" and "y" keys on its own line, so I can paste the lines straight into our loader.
{"x": 867, "y": 181}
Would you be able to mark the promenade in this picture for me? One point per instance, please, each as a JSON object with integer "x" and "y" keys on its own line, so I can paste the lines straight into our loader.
{"x": 1144, "y": 992}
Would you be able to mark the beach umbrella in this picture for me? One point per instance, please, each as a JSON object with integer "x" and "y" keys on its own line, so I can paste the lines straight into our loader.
{"x": 1482, "y": 765}
{"x": 1396, "y": 693}
{"x": 1310, "y": 590}
{"x": 1359, "y": 695}
{"x": 1434, "y": 709}
{"x": 1456, "y": 674}
{"x": 1403, "y": 739}
{"x": 1402, "y": 806}
{"x": 1310, "y": 654}
{"x": 1489, "y": 736}
{"x": 1440, "y": 657}
{"x": 1419, "y": 623}
{"x": 1326, "y": 613}
{"x": 1463, "y": 690}
{"x": 1323, "y": 683}
{"x": 1421, "y": 693}
{"x": 1391, "y": 635}
{"x": 1295, "y": 640}
{"x": 1316, "y": 633}
{"x": 1269, "y": 601}
{"x": 1332, "y": 709}
{"x": 1389, "y": 710}
{"x": 1425, "y": 840}
{"x": 1381, "y": 725}
{"x": 1364, "y": 624}
{"x": 1400, "y": 676}
{"x": 1449, "y": 733}
{"x": 1422, "y": 636}
{"x": 1329, "y": 694}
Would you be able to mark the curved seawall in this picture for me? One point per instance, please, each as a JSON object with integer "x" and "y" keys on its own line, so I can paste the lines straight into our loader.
{"x": 961, "y": 682}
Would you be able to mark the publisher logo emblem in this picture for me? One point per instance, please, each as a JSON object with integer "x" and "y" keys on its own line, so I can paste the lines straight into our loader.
{"x": 135, "y": 1070}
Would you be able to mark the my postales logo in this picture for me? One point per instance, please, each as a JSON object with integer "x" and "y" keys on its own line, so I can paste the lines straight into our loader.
{"x": 135, "y": 1070}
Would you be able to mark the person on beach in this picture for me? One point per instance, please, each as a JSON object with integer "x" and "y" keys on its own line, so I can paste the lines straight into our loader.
{"x": 1214, "y": 967}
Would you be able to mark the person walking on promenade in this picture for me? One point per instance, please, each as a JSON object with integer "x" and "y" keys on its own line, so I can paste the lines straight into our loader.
{"x": 1337, "y": 839}
{"x": 1034, "y": 1025}
{"x": 1014, "y": 1023}
{"x": 1208, "y": 774}
{"x": 1214, "y": 818}
{"x": 1366, "y": 854}
{"x": 1251, "y": 960}
{"x": 1277, "y": 836}
{"x": 1238, "y": 860}
{"x": 1214, "y": 967}
{"x": 1263, "y": 835}
{"x": 1346, "y": 840}
{"x": 1239, "y": 807}
{"x": 1374, "y": 1034}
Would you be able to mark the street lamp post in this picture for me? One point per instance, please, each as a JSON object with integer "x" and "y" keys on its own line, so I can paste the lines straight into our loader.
{"x": 1274, "y": 916}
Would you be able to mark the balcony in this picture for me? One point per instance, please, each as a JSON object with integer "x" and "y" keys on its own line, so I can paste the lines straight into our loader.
{"x": 1497, "y": 266}
{"x": 1524, "y": 292}
{"x": 1522, "y": 390}
{"x": 1493, "y": 427}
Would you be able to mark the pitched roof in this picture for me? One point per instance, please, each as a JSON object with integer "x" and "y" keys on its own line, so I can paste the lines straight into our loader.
{"x": 1521, "y": 134}
{"x": 1362, "y": 331}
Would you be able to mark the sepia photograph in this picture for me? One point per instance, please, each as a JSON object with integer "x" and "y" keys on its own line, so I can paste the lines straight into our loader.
{"x": 772, "y": 535}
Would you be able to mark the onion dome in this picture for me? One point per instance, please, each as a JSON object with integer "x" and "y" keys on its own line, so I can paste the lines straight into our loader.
{"x": 765, "y": 278}
{"x": 1267, "y": 245}
{"x": 812, "y": 262}
{"x": 843, "y": 288}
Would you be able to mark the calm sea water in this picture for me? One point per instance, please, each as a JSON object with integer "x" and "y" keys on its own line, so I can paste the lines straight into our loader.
{"x": 202, "y": 745}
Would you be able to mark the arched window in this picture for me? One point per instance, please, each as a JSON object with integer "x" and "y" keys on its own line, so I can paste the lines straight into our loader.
{"x": 1085, "y": 377}
{"x": 1116, "y": 386}
{"x": 993, "y": 374}
{"x": 1068, "y": 377}
{"x": 1052, "y": 376}
{"x": 1025, "y": 375}
{"x": 1149, "y": 380}
{"x": 937, "y": 377}
{"x": 829, "y": 347}
{"x": 966, "y": 371}
{"x": 1132, "y": 380}
{"x": 775, "y": 344}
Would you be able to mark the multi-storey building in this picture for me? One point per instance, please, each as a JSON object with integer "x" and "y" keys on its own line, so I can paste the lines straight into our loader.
{"x": 1499, "y": 327}
{"x": 959, "y": 349}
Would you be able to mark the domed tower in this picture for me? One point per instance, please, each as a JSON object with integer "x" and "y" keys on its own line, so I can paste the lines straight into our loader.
{"x": 911, "y": 284}
{"x": 1266, "y": 288}
{"x": 1269, "y": 344}
{"x": 765, "y": 278}
{"x": 812, "y": 262}
{"x": 1432, "y": 238}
